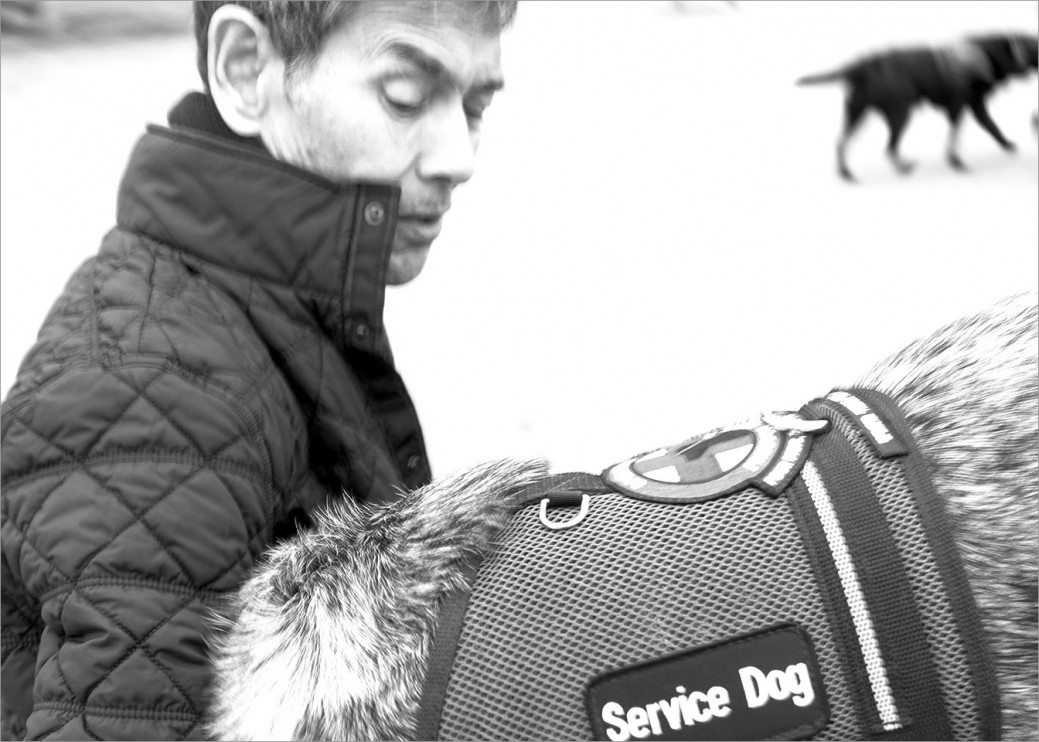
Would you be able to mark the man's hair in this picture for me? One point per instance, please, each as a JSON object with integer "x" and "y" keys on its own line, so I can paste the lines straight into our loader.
{"x": 298, "y": 29}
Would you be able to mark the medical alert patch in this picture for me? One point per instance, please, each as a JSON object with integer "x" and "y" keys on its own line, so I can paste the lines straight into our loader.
{"x": 764, "y": 685}
{"x": 766, "y": 454}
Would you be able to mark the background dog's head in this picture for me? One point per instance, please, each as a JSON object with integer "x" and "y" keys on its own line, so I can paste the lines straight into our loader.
{"x": 1011, "y": 54}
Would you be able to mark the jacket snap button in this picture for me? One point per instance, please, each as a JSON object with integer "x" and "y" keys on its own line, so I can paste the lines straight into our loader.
{"x": 413, "y": 462}
{"x": 361, "y": 330}
{"x": 374, "y": 213}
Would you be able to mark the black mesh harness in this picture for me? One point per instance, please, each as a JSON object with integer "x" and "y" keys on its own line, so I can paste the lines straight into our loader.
{"x": 785, "y": 578}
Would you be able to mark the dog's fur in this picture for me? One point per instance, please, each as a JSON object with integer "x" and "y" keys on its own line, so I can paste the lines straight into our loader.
{"x": 954, "y": 78}
{"x": 329, "y": 639}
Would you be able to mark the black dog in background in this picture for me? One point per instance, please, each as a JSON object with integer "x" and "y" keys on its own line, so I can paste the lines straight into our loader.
{"x": 953, "y": 78}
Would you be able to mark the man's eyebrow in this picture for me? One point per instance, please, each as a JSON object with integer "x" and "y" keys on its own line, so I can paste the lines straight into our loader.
{"x": 410, "y": 54}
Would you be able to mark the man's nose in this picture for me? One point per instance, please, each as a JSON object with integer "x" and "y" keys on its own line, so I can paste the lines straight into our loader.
{"x": 450, "y": 148}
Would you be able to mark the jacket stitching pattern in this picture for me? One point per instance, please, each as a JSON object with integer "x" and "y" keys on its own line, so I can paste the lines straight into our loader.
{"x": 138, "y": 456}
{"x": 16, "y": 642}
{"x": 118, "y": 712}
{"x": 27, "y": 542}
{"x": 270, "y": 489}
{"x": 95, "y": 316}
{"x": 206, "y": 457}
{"x": 79, "y": 708}
{"x": 148, "y": 304}
{"x": 112, "y": 423}
{"x": 204, "y": 595}
{"x": 182, "y": 310}
{"x": 138, "y": 517}
{"x": 155, "y": 250}
{"x": 310, "y": 292}
{"x": 139, "y": 644}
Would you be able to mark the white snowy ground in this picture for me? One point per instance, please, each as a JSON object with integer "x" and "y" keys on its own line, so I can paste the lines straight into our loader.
{"x": 655, "y": 241}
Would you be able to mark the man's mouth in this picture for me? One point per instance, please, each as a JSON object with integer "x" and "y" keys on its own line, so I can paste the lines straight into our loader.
{"x": 427, "y": 214}
{"x": 419, "y": 228}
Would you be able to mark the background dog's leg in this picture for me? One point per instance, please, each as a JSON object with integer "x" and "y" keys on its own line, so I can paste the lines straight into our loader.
{"x": 977, "y": 106}
{"x": 854, "y": 108}
{"x": 896, "y": 120}
{"x": 955, "y": 114}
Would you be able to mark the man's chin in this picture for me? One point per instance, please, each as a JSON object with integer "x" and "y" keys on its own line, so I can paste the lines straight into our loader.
{"x": 405, "y": 265}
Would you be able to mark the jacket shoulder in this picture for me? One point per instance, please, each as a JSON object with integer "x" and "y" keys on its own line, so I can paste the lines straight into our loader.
{"x": 140, "y": 299}
{"x": 140, "y": 305}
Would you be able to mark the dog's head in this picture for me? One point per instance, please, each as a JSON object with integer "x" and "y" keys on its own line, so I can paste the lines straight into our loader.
{"x": 1010, "y": 54}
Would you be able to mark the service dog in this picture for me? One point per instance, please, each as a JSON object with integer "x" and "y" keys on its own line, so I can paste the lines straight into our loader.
{"x": 954, "y": 78}
{"x": 331, "y": 637}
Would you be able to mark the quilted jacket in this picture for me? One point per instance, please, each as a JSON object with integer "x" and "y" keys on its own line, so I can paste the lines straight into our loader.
{"x": 217, "y": 371}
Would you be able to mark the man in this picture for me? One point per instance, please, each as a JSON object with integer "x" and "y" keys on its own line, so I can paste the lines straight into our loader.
{"x": 220, "y": 370}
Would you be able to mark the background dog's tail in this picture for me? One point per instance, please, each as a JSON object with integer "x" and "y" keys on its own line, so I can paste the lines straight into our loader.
{"x": 824, "y": 77}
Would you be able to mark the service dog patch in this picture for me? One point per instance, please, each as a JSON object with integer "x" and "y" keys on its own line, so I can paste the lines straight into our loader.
{"x": 763, "y": 685}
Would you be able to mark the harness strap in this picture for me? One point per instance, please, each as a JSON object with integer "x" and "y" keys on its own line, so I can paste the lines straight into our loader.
{"x": 949, "y": 563}
{"x": 560, "y": 489}
{"x": 869, "y": 597}
{"x": 441, "y": 659}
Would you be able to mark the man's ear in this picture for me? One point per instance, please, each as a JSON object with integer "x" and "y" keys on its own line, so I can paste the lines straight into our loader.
{"x": 240, "y": 51}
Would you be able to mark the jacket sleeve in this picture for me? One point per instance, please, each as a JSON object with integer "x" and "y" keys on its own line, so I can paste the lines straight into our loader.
{"x": 134, "y": 500}
{"x": 20, "y": 629}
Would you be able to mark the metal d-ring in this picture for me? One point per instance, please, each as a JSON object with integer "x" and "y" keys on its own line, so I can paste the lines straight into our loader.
{"x": 566, "y": 524}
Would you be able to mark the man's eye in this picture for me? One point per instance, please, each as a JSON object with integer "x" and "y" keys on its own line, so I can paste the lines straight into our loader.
{"x": 474, "y": 111}
{"x": 406, "y": 96}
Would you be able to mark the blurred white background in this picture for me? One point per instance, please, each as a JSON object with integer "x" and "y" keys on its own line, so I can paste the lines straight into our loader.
{"x": 655, "y": 241}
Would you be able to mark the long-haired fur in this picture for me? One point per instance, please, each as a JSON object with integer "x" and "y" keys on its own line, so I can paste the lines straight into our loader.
{"x": 330, "y": 638}
{"x": 969, "y": 393}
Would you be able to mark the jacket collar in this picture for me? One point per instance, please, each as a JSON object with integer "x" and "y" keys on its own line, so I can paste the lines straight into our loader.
{"x": 222, "y": 198}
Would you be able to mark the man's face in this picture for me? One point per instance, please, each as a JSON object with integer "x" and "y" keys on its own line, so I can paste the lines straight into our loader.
{"x": 396, "y": 94}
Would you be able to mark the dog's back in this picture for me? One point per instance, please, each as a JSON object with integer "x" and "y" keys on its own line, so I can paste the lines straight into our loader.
{"x": 969, "y": 392}
{"x": 331, "y": 638}
{"x": 938, "y": 74}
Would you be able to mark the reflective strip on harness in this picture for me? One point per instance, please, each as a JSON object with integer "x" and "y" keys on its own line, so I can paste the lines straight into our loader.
{"x": 860, "y": 615}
